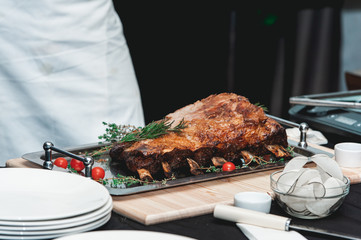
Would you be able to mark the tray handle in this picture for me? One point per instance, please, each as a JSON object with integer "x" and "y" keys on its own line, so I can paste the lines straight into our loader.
{"x": 302, "y": 127}
{"x": 48, "y": 164}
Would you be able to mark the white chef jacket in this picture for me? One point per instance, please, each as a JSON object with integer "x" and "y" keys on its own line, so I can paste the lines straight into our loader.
{"x": 64, "y": 69}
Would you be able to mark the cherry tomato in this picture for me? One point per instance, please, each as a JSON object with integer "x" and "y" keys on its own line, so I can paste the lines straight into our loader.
{"x": 77, "y": 165}
{"x": 98, "y": 173}
{"x": 61, "y": 162}
{"x": 228, "y": 167}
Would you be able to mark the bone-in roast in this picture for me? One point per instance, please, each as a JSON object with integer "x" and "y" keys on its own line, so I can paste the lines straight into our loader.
{"x": 220, "y": 128}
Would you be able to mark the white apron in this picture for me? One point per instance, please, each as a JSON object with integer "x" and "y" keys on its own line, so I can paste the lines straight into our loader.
{"x": 64, "y": 69}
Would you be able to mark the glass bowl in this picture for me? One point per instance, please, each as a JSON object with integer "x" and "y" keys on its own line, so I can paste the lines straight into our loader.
{"x": 308, "y": 202}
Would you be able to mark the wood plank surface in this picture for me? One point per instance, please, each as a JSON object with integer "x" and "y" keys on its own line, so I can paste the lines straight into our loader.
{"x": 190, "y": 200}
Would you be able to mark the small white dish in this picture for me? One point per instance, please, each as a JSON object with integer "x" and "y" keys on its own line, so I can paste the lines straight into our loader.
{"x": 348, "y": 154}
{"x": 257, "y": 201}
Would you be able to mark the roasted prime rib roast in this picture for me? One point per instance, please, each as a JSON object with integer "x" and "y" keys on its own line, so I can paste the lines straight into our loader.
{"x": 220, "y": 128}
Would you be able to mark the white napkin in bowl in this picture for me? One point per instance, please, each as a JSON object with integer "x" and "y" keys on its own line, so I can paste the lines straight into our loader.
{"x": 260, "y": 233}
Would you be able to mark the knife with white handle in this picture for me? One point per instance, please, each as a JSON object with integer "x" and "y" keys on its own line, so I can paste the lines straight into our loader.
{"x": 246, "y": 216}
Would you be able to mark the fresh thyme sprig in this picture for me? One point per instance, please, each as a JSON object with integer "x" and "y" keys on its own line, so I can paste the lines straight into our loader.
{"x": 216, "y": 169}
{"x": 153, "y": 130}
{"x": 261, "y": 161}
{"x": 291, "y": 151}
{"x": 130, "y": 180}
{"x": 114, "y": 132}
{"x": 99, "y": 152}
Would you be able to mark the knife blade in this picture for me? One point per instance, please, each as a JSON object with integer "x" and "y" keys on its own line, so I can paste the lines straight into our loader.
{"x": 321, "y": 231}
{"x": 242, "y": 215}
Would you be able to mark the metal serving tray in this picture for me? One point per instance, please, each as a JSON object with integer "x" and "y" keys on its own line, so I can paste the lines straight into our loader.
{"x": 113, "y": 169}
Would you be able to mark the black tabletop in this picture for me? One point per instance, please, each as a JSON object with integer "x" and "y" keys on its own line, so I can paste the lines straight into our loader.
{"x": 347, "y": 219}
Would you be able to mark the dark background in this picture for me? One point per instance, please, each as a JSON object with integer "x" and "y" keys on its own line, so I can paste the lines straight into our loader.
{"x": 183, "y": 52}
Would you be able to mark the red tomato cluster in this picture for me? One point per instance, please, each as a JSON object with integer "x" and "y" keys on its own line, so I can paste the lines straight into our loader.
{"x": 77, "y": 165}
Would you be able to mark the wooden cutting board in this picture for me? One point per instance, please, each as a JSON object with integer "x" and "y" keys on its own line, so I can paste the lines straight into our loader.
{"x": 190, "y": 200}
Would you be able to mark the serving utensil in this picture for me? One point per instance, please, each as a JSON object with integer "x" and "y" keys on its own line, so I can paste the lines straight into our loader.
{"x": 246, "y": 216}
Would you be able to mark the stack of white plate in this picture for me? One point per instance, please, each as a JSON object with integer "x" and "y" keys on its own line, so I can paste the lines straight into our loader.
{"x": 43, "y": 204}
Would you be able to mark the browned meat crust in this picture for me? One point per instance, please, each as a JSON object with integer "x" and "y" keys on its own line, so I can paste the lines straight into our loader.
{"x": 220, "y": 125}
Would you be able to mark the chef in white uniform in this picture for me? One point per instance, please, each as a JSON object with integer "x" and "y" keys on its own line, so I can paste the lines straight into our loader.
{"x": 64, "y": 69}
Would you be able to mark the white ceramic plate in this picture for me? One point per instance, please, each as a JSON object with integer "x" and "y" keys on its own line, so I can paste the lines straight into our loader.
{"x": 77, "y": 228}
{"x": 62, "y": 232}
{"x": 124, "y": 234}
{"x": 56, "y": 224}
{"x": 39, "y": 194}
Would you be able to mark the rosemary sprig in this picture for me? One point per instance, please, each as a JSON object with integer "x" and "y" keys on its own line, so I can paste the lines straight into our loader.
{"x": 153, "y": 130}
{"x": 265, "y": 109}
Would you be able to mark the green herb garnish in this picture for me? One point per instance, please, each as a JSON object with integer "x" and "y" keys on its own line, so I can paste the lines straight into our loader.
{"x": 129, "y": 181}
{"x": 114, "y": 132}
{"x": 265, "y": 109}
{"x": 153, "y": 130}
